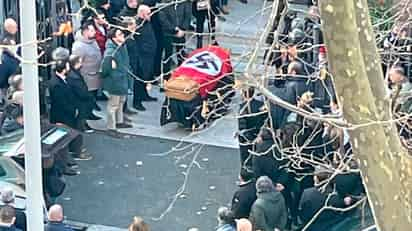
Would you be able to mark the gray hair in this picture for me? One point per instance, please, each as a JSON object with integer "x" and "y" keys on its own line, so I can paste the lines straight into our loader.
{"x": 7, "y": 195}
{"x": 225, "y": 216}
{"x": 264, "y": 184}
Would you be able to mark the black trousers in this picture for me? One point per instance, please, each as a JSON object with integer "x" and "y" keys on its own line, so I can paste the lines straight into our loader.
{"x": 201, "y": 17}
{"x": 75, "y": 147}
{"x": 157, "y": 67}
{"x": 170, "y": 44}
{"x": 139, "y": 91}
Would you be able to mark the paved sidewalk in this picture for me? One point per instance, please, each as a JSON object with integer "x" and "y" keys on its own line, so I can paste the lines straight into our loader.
{"x": 147, "y": 123}
{"x": 239, "y": 33}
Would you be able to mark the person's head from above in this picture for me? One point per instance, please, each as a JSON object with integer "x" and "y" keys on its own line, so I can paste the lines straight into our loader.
{"x": 138, "y": 224}
{"x": 88, "y": 30}
{"x": 14, "y": 111}
{"x": 314, "y": 12}
{"x": 264, "y": 185}
{"x": 16, "y": 82}
{"x": 116, "y": 35}
{"x": 397, "y": 74}
{"x": 61, "y": 58}
{"x": 243, "y": 224}
{"x": 225, "y": 216}
{"x": 144, "y": 12}
{"x": 321, "y": 175}
{"x": 130, "y": 23}
{"x": 7, "y": 215}
{"x": 99, "y": 18}
{"x": 56, "y": 213}
{"x": 75, "y": 62}
{"x": 10, "y": 26}
{"x": 246, "y": 175}
{"x": 104, "y": 4}
{"x": 132, "y": 4}
{"x": 295, "y": 68}
{"x": 7, "y": 195}
{"x": 248, "y": 93}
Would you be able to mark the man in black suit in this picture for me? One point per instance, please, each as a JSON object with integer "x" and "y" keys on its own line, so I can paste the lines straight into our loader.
{"x": 63, "y": 107}
{"x": 245, "y": 196}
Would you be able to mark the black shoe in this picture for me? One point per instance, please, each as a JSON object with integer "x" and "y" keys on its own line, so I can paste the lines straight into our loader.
{"x": 71, "y": 163}
{"x": 113, "y": 133}
{"x": 97, "y": 107}
{"x": 129, "y": 111}
{"x": 139, "y": 107}
{"x": 94, "y": 117}
{"x": 102, "y": 97}
{"x": 87, "y": 128}
{"x": 123, "y": 125}
{"x": 150, "y": 99}
{"x": 221, "y": 18}
{"x": 70, "y": 172}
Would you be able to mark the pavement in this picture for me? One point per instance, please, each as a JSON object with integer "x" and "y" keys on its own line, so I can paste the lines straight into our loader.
{"x": 239, "y": 33}
{"x": 125, "y": 179}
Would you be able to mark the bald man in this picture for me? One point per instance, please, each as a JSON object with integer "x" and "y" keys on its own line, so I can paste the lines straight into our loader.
{"x": 10, "y": 30}
{"x": 56, "y": 218}
{"x": 10, "y": 26}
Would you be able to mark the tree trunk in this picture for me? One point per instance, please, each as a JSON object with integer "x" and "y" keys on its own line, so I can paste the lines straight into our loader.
{"x": 372, "y": 64}
{"x": 382, "y": 175}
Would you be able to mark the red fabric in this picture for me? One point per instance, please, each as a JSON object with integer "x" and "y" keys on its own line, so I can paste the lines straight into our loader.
{"x": 101, "y": 40}
{"x": 207, "y": 81}
{"x": 322, "y": 49}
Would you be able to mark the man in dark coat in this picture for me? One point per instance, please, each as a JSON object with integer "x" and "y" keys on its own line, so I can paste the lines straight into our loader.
{"x": 313, "y": 199}
{"x": 63, "y": 106}
{"x": 252, "y": 117}
{"x": 269, "y": 211}
{"x": 245, "y": 195}
{"x": 56, "y": 220}
{"x": 8, "y": 66}
{"x": 141, "y": 47}
{"x": 171, "y": 26}
{"x": 8, "y": 198}
{"x": 85, "y": 101}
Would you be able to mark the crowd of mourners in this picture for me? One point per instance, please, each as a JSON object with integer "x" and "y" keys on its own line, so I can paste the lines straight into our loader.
{"x": 295, "y": 172}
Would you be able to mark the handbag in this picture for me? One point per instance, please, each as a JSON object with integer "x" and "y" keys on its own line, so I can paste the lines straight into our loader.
{"x": 182, "y": 88}
{"x": 203, "y": 5}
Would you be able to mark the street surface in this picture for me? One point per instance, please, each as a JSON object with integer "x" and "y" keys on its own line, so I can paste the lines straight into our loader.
{"x": 124, "y": 180}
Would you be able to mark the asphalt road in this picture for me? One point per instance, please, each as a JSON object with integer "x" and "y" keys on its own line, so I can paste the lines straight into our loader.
{"x": 124, "y": 180}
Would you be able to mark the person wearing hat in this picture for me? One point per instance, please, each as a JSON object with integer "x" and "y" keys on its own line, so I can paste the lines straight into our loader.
{"x": 269, "y": 211}
{"x": 7, "y": 198}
